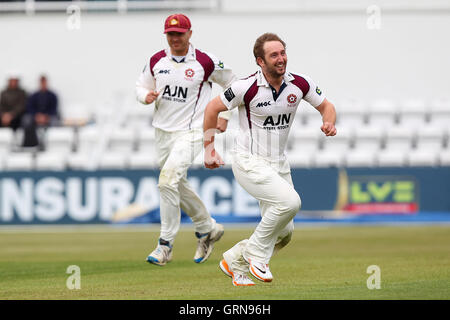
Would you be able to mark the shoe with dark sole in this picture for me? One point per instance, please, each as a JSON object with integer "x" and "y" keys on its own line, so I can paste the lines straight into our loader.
{"x": 260, "y": 271}
{"x": 206, "y": 242}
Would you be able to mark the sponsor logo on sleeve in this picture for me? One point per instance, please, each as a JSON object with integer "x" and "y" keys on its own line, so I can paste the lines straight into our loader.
{"x": 318, "y": 91}
{"x": 229, "y": 94}
{"x": 221, "y": 65}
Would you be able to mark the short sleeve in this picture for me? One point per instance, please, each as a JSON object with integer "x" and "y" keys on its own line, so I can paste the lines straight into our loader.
{"x": 233, "y": 96}
{"x": 222, "y": 73}
{"x": 315, "y": 96}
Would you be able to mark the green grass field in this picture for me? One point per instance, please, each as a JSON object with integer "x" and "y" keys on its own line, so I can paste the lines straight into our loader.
{"x": 320, "y": 263}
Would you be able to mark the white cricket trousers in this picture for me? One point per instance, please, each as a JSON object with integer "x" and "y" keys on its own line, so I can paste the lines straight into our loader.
{"x": 176, "y": 153}
{"x": 271, "y": 184}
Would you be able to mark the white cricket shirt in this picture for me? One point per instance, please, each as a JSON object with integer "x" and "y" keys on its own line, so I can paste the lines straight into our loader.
{"x": 265, "y": 116}
{"x": 184, "y": 87}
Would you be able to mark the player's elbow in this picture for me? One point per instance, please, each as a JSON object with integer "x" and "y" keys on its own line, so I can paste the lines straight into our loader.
{"x": 214, "y": 107}
{"x": 329, "y": 108}
{"x": 325, "y": 107}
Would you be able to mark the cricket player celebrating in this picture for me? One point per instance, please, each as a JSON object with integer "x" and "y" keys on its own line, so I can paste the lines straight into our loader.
{"x": 267, "y": 102}
{"x": 179, "y": 80}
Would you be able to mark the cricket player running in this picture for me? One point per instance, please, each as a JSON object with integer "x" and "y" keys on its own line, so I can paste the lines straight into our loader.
{"x": 267, "y": 102}
{"x": 179, "y": 80}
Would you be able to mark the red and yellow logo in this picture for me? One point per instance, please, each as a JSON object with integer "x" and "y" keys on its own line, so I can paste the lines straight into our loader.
{"x": 173, "y": 22}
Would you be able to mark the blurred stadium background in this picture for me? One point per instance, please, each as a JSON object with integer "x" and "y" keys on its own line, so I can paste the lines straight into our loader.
{"x": 383, "y": 63}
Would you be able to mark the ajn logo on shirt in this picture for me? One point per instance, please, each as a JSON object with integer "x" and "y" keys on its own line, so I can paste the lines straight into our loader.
{"x": 177, "y": 93}
{"x": 282, "y": 121}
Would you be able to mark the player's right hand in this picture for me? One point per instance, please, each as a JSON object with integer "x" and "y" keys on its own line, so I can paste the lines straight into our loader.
{"x": 151, "y": 96}
{"x": 222, "y": 124}
{"x": 328, "y": 129}
{"x": 213, "y": 159}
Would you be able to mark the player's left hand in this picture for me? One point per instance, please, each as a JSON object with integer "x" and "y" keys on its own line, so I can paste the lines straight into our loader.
{"x": 329, "y": 129}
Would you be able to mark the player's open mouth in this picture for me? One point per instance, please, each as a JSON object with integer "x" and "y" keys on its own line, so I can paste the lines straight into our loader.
{"x": 280, "y": 67}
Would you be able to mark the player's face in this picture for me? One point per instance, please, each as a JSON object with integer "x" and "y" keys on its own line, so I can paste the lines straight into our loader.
{"x": 178, "y": 42}
{"x": 275, "y": 58}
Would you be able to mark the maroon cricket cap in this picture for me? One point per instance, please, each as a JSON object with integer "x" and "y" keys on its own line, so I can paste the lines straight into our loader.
{"x": 177, "y": 22}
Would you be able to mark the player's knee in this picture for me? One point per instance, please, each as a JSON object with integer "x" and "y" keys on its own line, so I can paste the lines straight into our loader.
{"x": 168, "y": 180}
{"x": 294, "y": 203}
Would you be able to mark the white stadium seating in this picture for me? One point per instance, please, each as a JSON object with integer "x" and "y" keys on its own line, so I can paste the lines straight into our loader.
{"x": 383, "y": 133}
{"x": 413, "y": 112}
{"x": 310, "y": 116}
{"x": 20, "y": 161}
{"x": 59, "y": 139}
{"x": 341, "y": 142}
{"x": 113, "y": 161}
{"x": 350, "y": 113}
{"x": 328, "y": 159}
{"x": 122, "y": 140}
{"x": 50, "y": 160}
{"x": 429, "y": 138}
{"x": 88, "y": 138}
{"x": 383, "y": 113}
{"x": 440, "y": 114}
{"x": 360, "y": 158}
{"x": 142, "y": 160}
{"x": 305, "y": 139}
{"x": 444, "y": 157}
{"x": 139, "y": 115}
{"x": 399, "y": 138}
{"x": 368, "y": 138}
{"x": 6, "y": 140}
{"x": 145, "y": 137}
{"x": 300, "y": 159}
{"x": 81, "y": 161}
{"x": 422, "y": 158}
{"x": 391, "y": 158}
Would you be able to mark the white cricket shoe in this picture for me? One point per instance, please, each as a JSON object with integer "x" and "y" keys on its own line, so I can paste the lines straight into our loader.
{"x": 205, "y": 243}
{"x": 162, "y": 254}
{"x": 260, "y": 271}
{"x": 238, "y": 280}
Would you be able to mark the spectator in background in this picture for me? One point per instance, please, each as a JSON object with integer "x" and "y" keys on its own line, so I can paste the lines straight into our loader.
{"x": 41, "y": 112}
{"x": 12, "y": 104}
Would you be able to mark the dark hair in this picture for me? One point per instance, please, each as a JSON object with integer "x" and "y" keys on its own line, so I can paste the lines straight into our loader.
{"x": 258, "y": 48}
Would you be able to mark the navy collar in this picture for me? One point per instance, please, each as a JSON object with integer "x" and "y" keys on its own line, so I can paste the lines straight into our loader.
{"x": 276, "y": 94}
